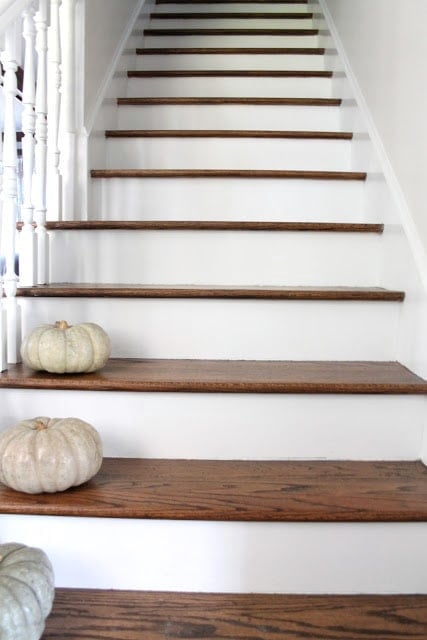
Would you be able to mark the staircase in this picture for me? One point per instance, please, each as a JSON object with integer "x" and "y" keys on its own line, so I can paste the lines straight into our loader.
{"x": 262, "y": 441}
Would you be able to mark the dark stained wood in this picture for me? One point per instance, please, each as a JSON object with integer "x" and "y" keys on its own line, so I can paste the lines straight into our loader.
{"x": 301, "y": 102}
{"x": 214, "y": 225}
{"x": 307, "y": 51}
{"x": 81, "y": 614}
{"x": 228, "y": 173}
{"x": 228, "y": 376}
{"x": 229, "y": 73}
{"x": 227, "y": 133}
{"x": 231, "y": 32}
{"x": 244, "y": 491}
{"x": 230, "y": 15}
{"x": 95, "y": 290}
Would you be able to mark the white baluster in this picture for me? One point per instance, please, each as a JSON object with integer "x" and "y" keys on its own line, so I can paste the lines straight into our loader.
{"x": 54, "y": 179}
{"x": 68, "y": 133}
{"x": 3, "y": 352}
{"x": 41, "y": 20}
{"x": 27, "y": 240}
{"x": 10, "y": 188}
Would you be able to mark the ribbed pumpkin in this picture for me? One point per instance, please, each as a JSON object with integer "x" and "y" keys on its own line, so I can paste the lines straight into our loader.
{"x": 64, "y": 348}
{"x": 26, "y": 591}
{"x": 49, "y": 454}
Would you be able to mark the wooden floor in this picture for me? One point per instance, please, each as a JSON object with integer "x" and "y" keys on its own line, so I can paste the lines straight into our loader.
{"x": 114, "y": 615}
{"x": 240, "y": 491}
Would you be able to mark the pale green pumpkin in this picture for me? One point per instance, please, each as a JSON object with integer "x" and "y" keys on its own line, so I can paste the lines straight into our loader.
{"x": 26, "y": 591}
{"x": 63, "y": 348}
{"x": 49, "y": 454}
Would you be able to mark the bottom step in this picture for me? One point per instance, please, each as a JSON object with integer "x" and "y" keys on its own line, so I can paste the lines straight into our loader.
{"x": 130, "y": 615}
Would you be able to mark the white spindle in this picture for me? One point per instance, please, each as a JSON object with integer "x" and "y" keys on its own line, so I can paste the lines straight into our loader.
{"x": 27, "y": 244}
{"x": 41, "y": 21}
{"x": 9, "y": 61}
{"x": 68, "y": 147}
{"x": 3, "y": 352}
{"x": 54, "y": 180}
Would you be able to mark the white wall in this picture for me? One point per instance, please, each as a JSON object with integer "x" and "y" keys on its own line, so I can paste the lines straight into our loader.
{"x": 106, "y": 22}
{"x": 386, "y": 47}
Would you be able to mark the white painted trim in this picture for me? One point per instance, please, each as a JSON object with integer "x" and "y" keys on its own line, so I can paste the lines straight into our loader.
{"x": 114, "y": 62}
{"x": 10, "y": 11}
{"x": 419, "y": 255}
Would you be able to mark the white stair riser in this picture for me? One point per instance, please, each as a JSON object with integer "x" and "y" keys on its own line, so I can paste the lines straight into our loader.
{"x": 229, "y": 117}
{"x": 231, "y": 87}
{"x": 297, "y": 7}
{"x": 235, "y": 61}
{"x": 224, "y": 199}
{"x": 227, "y": 41}
{"x": 225, "y": 153}
{"x": 216, "y": 257}
{"x": 228, "y": 556}
{"x": 229, "y": 23}
{"x": 231, "y": 329}
{"x": 235, "y": 426}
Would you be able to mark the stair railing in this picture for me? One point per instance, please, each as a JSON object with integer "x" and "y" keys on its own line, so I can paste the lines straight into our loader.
{"x": 31, "y": 37}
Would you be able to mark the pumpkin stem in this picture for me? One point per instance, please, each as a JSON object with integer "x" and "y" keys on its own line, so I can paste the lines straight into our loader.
{"x": 61, "y": 324}
{"x": 40, "y": 426}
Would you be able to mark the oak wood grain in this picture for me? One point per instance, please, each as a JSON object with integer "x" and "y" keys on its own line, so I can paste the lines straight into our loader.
{"x": 284, "y": 102}
{"x": 82, "y": 614}
{"x": 242, "y": 491}
{"x": 229, "y": 173}
{"x": 228, "y": 376}
{"x": 116, "y": 290}
{"x": 227, "y": 133}
{"x": 213, "y": 225}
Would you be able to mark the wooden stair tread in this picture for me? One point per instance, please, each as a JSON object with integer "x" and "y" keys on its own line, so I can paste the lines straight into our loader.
{"x": 212, "y": 31}
{"x": 313, "y": 51}
{"x": 122, "y": 290}
{"x": 251, "y": 15}
{"x": 243, "y": 491}
{"x": 228, "y": 376}
{"x": 302, "y": 102}
{"x": 214, "y": 225}
{"x": 227, "y": 133}
{"x": 228, "y": 73}
{"x": 228, "y": 173}
{"x": 83, "y": 614}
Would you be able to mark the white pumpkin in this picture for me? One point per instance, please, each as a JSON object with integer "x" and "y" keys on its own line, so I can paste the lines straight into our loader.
{"x": 49, "y": 454}
{"x": 64, "y": 348}
{"x": 26, "y": 591}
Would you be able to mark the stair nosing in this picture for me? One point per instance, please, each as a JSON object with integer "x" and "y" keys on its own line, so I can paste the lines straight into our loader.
{"x": 89, "y": 290}
{"x": 228, "y": 133}
{"x": 229, "y": 173}
{"x": 232, "y": 376}
{"x": 216, "y": 225}
{"x": 231, "y": 51}
{"x": 229, "y": 73}
{"x": 244, "y": 15}
{"x": 239, "y": 491}
{"x": 230, "y": 32}
{"x": 183, "y": 101}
